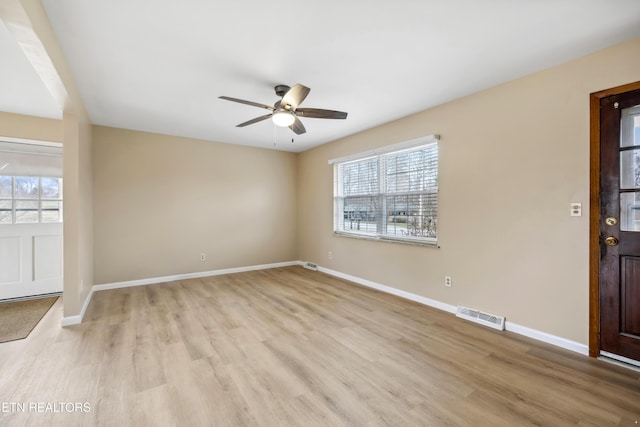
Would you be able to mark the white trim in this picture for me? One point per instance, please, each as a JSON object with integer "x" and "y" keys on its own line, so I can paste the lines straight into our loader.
{"x": 393, "y": 291}
{"x": 38, "y": 150}
{"x": 77, "y": 319}
{"x": 32, "y": 297}
{"x": 71, "y": 320}
{"x": 30, "y": 141}
{"x": 620, "y": 360}
{"x": 200, "y": 274}
{"x": 423, "y": 140}
{"x": 547, "y": 338}
{"x": 427, "y": 241}
{"x": 509, "y": 326}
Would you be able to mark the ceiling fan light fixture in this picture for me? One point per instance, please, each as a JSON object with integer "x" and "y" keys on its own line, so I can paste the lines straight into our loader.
{"x": 283, "y": 118}
{"x": 285, "y": 111}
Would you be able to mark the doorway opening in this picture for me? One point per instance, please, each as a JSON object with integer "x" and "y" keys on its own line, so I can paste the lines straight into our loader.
{"x": 31, "y": 215}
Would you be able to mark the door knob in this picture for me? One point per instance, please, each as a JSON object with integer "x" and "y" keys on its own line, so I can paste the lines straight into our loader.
{"x": 611, "y": 241}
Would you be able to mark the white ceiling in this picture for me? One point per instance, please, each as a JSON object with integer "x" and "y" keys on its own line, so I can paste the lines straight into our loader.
{"x": 160, "y": 65}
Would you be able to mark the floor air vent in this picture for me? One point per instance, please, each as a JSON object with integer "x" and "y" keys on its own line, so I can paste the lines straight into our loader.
{"x": 310, "y": 266}
{"x": 486, "y": 319}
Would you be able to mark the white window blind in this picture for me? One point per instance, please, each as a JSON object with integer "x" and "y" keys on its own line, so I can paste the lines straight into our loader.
{"x": 391, "y": 195}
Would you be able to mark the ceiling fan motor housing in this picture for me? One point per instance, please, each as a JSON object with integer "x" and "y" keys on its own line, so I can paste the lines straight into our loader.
{"x": 281, "y": 90}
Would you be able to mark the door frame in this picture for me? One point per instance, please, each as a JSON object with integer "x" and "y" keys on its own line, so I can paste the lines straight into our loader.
{"x": 594, "y": 212}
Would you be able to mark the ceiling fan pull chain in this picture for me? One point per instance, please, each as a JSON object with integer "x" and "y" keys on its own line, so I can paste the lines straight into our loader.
{"x": 275, "y": 134}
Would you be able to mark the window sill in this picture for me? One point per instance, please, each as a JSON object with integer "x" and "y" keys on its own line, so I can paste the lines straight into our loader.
{"x": 413, "y": 242}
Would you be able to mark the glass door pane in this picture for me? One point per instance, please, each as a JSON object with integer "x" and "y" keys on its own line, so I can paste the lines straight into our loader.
{"x": 630, "y": 212}
{"x": 630, "y": 169}
{"x": 630, "y": 127}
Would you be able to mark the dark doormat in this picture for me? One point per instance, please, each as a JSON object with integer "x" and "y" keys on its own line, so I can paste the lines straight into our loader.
{"x": 18, "y": 318}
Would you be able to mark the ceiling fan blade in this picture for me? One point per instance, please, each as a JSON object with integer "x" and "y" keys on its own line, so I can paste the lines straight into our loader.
{"x": 295, "y": 96}
{"x": 252, "y": 121}
{"x": 242, "y": 101}
{"x": 297, "y": 127}
{"x": 318, "y": 113}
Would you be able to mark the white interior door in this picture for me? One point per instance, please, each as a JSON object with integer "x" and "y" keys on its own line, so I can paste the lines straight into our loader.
{"x": 31, "y": 245}
{"x": 30, "y": 259}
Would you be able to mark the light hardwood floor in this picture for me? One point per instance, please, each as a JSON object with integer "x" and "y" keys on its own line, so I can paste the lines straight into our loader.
{"x": 291, "y": 347}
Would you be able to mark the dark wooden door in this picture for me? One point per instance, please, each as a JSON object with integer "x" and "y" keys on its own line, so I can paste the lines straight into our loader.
{"x": 620, "y": 225}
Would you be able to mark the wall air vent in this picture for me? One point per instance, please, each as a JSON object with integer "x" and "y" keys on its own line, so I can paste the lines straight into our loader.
{"x": 477, "y": 316}
{"x": 310, "y": 266}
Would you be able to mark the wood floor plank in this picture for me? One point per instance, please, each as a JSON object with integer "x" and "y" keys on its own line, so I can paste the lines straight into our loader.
{"x": 294, "y": 347}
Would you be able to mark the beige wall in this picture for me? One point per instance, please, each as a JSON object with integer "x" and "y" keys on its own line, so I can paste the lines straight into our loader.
{"x": 29, "y": 127}
{"x": 512, "y": 159}
{"x": 160, "y": 201}
{"x": 78, "y": 212}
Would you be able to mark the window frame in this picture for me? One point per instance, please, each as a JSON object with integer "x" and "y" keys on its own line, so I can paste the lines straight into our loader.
{"x": 383, "y": 194}
{"x": 15, "y": 201}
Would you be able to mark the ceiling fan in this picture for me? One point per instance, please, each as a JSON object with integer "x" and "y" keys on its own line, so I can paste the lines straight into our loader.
{"x": 285, "y": 112}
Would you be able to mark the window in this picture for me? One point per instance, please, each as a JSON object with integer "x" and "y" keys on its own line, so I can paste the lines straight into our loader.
{"x": 30, "y": 199}
{"x": 389, "y": 194}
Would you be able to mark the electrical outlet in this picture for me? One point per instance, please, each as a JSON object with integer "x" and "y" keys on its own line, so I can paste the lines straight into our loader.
{"x": 447, "y": 281}
{"x": 202, "y": 257}
{"x": 576, "y": 209}
{"x": 330, "y": 255}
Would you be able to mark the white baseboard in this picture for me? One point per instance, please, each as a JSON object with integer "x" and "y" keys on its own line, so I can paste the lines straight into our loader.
{"x": 77, "y": 319}
{"x": 140, "y": 282}
{"x": 547, "y": 338}
{"x": 71, "y": 320}
{"x": 509, "y": 326}
{"x": 393, "y": 291}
